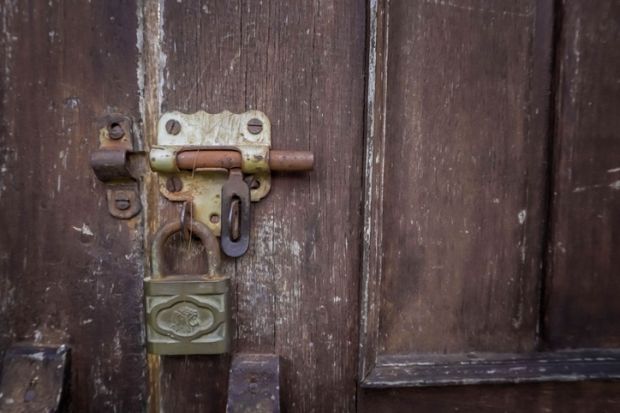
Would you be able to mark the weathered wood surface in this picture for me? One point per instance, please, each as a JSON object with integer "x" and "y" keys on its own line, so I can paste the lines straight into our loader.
{"x": 296, "y": 289}
{"x": 464, "y": 145}
{"x": 465, "y": 100}
{"x": 585, "y": 397}
{"x": 583, "y": 283}
{"x": 69, "y": 272}
{"x": 466, "y": 103}
{"x": 425, "y": 370}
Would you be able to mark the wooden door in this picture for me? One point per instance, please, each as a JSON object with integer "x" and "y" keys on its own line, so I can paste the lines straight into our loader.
{"x": 464, "y": 203}
{"x": 489, "y": 277}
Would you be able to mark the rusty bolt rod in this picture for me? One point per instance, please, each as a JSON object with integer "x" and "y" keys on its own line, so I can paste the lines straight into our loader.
{"x": 291, "y": 160}
{"x": 278, "y": 160}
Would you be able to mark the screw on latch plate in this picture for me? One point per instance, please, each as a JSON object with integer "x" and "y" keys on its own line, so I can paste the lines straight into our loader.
{"x": 174, "y": 184}
{"x": 110, "y": 164}
{"x": 122, "y": 201}
{"x": 173, "y": 127}
{"x": 255, "y": 126}
{"x": 115, "y": 130}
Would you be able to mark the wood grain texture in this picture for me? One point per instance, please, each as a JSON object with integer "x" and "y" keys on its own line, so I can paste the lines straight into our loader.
{"x": 582, "y": 282}
{"x": 296, "y": 289}
{"x": 464, "y": 178}
{"x": 374, "y": 163}
{"x": 455, "y": 271}
{"x": 69, "y": 272}
{"x": 587, "y": 397}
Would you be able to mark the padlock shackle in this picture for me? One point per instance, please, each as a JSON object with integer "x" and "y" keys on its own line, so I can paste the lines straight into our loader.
{"x": 201, "y": 231}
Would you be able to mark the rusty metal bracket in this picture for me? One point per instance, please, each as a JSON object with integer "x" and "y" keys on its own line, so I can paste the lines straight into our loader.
{"x": 247, "y": 136}
{"x": 219, "y": 163}
{"x": 34, "y": 378}
{"x": 111, "y": 165}
{"x": 254, "y": 384}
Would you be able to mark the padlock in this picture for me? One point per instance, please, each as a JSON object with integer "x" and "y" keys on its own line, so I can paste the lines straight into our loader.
{"x": 187, "y": 314}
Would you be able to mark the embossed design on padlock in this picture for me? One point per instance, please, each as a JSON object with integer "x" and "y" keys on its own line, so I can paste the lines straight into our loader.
{"x": 187, "y": 314}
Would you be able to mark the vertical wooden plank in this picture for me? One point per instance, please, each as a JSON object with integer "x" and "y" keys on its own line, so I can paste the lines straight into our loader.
{"x": 319, "y": 106}
{"x": 197, "y": 41}
{"x": 149, "y": 80}
{"x": 582, "y": 282}
{"x": 69, "y": 272}
{"x": 464, "y": 178}
{"x": 374, "y": 163}
{"x": 296, "y": 289}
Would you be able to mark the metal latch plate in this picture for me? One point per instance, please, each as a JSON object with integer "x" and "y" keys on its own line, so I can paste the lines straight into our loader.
{"x": 178, "y": 132}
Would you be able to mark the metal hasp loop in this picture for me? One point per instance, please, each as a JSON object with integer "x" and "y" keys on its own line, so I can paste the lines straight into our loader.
{"x": 110, "y": 164}
{"x": 235, "y": 237}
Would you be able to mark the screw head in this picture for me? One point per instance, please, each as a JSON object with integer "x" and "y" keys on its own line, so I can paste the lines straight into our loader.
{"x": 122, "y": 204}
{"x": 173, "y": 127}
{"x": 122, "y": 201}
{"x": 174, "y": 184}
{"x": 255, "y": 126}
{"x": 115, "y": 131}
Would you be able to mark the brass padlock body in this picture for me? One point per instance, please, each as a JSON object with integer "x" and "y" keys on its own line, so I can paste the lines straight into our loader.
{"x": 187, "y": 314}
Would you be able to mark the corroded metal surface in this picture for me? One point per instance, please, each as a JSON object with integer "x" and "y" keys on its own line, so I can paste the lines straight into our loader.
{"x": 178, "y": 132}
{"x": 254, "y": 384}
{"x": 235, "y": 215}
{"x": 34, "y": 378}
{"x": 278, "y": 160}
{"x": 110, "y": 164}
{"x": 291, "y": 160}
